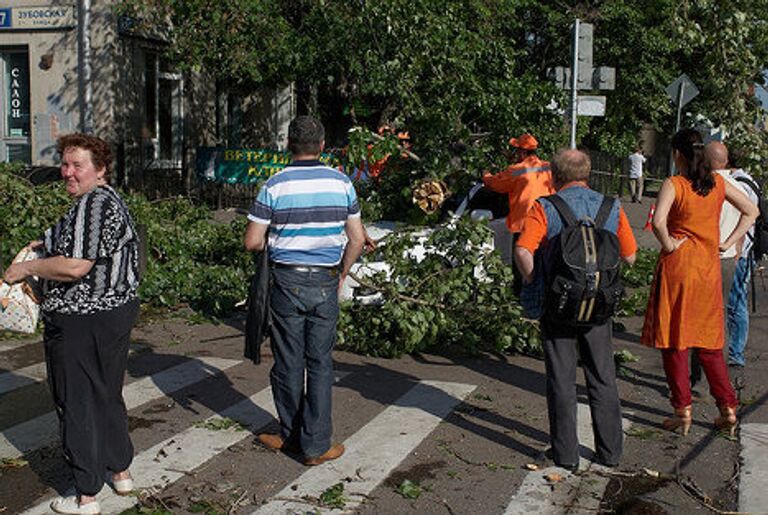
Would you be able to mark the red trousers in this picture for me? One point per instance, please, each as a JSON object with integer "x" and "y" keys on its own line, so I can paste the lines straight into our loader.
{"x": 679, "y": 381}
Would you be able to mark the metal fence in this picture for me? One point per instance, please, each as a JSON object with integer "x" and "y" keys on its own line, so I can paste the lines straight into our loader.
{"x": 160, "y": 183}
{"x": 610, "y": 175}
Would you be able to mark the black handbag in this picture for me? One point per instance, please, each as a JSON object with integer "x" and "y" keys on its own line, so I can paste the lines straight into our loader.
{"x": 258, "y": 320}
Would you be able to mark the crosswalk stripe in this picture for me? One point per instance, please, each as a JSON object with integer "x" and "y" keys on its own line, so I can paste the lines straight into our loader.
{"x": 376, "y": 449}
{"x": 36, "y": 373}
{"x": 753, "y": 495}
{"x": 42, "y": 430}
{"x": 583, "y": 493}
{"x": 14, "y": 344}
{"x": 10, "y": 381}
{"x": 168, "y": 461}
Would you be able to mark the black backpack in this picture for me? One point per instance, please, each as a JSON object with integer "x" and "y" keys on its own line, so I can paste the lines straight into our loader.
{"x": 583, "y": 286}
{"x": 760, "y": 239}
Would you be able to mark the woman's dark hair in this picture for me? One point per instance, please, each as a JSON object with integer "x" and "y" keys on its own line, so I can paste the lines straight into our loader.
{"x": 101, "y": 154}
{"x": 689, "y": 143}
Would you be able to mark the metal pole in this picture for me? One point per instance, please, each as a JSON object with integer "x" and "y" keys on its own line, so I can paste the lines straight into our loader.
{"x": 84, "y": 66}
{"x": 680, "y": 93}
{"x": 574, "y": 82}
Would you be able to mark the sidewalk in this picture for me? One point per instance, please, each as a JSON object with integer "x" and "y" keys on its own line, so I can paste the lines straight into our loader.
{"x": 468, "y": 431}
{"x": 733, "y": 473}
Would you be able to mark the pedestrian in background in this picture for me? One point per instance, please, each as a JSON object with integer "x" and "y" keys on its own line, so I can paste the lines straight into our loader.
{"x": 311, "y": 217}
{"x": 90, "y": 272}
{"x": 565, "y": 344}
{"x": 737, "y": 308}
{"x": 636, "y": 163}
{"x": 685, "y": 307}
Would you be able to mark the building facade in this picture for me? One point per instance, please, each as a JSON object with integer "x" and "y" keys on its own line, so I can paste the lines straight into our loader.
{"x": 80, "y": 66}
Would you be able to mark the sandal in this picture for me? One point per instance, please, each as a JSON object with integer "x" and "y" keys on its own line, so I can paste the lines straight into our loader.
{"x": 123, "y": 486}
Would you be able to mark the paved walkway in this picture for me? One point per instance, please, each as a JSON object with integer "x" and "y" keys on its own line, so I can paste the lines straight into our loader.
{"x": 461, "y": 429}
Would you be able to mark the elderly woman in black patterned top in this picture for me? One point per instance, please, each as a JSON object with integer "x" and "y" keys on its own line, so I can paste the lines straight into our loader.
{"x": 89, "y": 308}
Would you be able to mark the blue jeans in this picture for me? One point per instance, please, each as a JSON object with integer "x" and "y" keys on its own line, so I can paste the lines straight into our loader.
{"x": 305, "y": 309}
{"x": 738, "y": 312}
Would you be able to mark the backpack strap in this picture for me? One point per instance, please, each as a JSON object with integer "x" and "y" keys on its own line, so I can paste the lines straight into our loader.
{"x": 752, "y": 185}
{"x": 563, "y": 209}
{"x": 604, "y": 212}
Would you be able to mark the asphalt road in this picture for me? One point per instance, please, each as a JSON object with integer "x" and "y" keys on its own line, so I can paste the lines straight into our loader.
{"x": 439, "y": 433}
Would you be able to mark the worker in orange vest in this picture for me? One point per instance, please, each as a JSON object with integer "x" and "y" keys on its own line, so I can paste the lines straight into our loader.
{"x": 524, "y": 180}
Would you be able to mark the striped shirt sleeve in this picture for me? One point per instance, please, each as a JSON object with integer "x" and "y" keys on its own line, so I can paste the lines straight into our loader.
{"x": 353, "y": 206}
{"x": 261, "y": 211}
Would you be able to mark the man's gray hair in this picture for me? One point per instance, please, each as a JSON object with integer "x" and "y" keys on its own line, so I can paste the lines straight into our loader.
{"x": 571, "y": 165}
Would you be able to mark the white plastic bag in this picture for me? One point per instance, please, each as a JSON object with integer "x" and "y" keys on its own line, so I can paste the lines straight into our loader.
{"x": 20, "y": 302}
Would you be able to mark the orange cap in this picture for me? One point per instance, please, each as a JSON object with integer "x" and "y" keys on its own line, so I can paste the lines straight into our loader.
{"x": 526, "y": 142}
{"x": 403, "y": 135}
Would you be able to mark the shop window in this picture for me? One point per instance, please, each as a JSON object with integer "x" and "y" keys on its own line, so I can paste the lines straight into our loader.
{"x": 163, "y": 126}
{"x": 15, "y": 109}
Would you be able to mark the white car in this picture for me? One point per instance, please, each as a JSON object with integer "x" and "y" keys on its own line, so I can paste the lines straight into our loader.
{"x": 502, "y": 240}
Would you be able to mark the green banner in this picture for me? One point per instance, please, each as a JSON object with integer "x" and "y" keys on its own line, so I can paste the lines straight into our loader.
{"x": 244, "y": 166}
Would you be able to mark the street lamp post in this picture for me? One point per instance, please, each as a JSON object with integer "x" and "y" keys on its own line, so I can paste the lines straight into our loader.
{"x": 85, "y": 86}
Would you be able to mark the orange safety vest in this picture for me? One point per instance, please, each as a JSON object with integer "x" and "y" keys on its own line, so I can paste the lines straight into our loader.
{"x": 524, "y": 182}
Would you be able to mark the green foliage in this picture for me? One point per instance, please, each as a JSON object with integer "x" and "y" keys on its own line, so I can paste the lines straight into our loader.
{"x": 191, "y": 259}
{"x": 333, "y": 497}
{"x": 26, "y": 211}
{"x": 13, "y": 463}
{"x": 456, "y": 75}
{"x": 141, "y": 510}
{"x": 641, "y": 273}
{"x": 643, "y": 433}
{"x": 220, "y": 424}
{"x": 409, "y": 489}
{"x": 638, "y": 279}
{"x": 634, "y": 304}
{"x": 207, "y": 507}
{"x": 464, "y": 76}
{"x": 725, "y": 46}
{"x": 460, "y": 293}
{"x": 620, "y": 358}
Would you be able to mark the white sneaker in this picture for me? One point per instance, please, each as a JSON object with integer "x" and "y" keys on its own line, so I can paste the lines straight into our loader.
{"x": 71, "y": 506}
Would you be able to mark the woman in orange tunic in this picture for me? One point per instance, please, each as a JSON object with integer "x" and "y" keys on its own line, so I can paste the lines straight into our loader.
{"x": 685, "y": 308}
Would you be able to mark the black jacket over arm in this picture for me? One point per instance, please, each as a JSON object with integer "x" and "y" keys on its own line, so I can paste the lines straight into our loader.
{"x": 258, "y": 320}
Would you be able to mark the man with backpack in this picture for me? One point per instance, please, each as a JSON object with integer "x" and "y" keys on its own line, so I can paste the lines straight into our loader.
{"x": 582, "y": 236}
{"x": 737, "y": 310}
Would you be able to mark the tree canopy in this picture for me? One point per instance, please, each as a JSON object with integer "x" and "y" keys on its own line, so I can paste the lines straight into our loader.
{"x": 464, "y": 75}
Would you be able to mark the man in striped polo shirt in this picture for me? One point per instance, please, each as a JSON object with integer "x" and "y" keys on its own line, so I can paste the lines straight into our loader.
{"x": 308, "y": 217}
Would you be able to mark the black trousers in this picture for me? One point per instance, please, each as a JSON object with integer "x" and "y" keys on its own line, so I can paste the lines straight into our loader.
{"x": 86, "y": 357}
{"x": 562, "y": 348}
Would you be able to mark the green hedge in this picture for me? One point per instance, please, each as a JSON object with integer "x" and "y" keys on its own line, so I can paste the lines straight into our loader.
{"x": 459, "y": 294}
{"x": 428, "y": 304}
{"x": 191, "y": 259}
